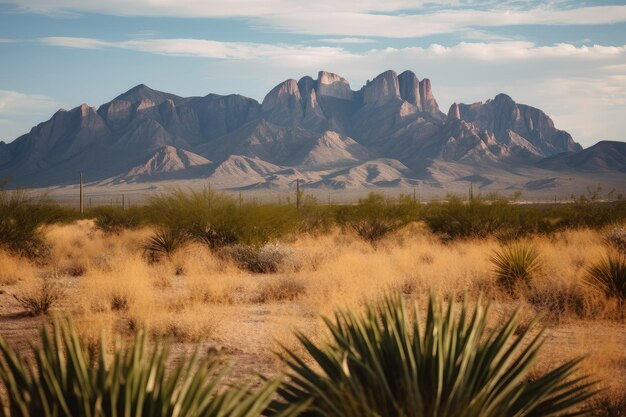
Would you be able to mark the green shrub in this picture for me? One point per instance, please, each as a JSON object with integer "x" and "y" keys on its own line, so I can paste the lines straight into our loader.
{"x": 375, "y": 217}
{"x": 515, "y": 265}
{"x": 385, "y": 363}
{"x": 135, "y": 382}
{"x": 609, "y": 276}
{"x": 114, "y": 220}
{"x": 21, "y": 220}
{"x": 218, "y": 220}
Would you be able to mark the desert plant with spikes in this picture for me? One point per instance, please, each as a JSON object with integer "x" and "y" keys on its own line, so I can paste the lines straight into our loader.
{"x": 384, "y": 363}
{"x": 166, "y": 241}
{"x": 515, "y": 265}
{"x": 609, "y": 276}
{"x": 135, "y": 382}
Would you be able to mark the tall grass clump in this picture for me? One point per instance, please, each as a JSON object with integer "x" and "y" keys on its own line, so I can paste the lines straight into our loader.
{"x": 375, "y": 217}
{"x": 386, "y": 363}
{"x": 515, "y": 264}
{"x": 137, "y": 381}
{"x": 609, "y": 276}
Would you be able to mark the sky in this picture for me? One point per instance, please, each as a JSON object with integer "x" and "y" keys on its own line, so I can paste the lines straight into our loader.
{"x": 565, "y": 57}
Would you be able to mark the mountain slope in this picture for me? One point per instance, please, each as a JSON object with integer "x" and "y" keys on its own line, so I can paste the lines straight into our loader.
{"x": 604, "y": 156}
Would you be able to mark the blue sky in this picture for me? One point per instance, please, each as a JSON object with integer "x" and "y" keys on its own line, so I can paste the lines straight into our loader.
{"x": 565, "y": 57}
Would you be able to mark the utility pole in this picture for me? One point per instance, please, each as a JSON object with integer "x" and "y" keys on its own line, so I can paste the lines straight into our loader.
{"x": 298, "y": 193}
{"x": 123, "y": 203}
{"x": 414, "y": 196}
{"x": 471, "y": 191}
{"x": 81, "y": 205}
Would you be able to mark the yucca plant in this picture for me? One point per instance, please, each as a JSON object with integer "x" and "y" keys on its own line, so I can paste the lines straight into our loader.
{"x": 384, "y": 363}
{"x": 135, "y": 382}
{"x": 609, "y": 276}
{"x": 166, "y": 241}
{"x": 515, "y": 264}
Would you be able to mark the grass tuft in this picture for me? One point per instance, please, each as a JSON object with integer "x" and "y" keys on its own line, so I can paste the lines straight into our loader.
{"x": 515, "y": 265}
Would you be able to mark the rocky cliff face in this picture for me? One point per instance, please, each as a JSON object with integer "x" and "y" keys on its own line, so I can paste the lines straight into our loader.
{"x": 503, "y": 115}
{"x": 317, "y": 128}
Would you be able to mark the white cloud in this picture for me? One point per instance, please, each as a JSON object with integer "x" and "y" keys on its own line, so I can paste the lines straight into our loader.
{"x": 14, "y": 101}
{"x": 201, "y": 48}
{"x": 345, "y": 40}
{"x": 351, "y": 18}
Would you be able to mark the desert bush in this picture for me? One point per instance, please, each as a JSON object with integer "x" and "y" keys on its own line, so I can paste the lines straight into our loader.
{"x": 375, "y": 217}
{"x": 166, "y": 241}
{"x": 114, "y": 220}
{"x": 384, "y": 363}
{"x": 136, "y": 381}
{"x": 218, "y": 220}
{"x": 259, "y": 259}
{"x": 283, "y": 288}
{"x": 515, "y": 264}
{"x": 40, "y": 299}
{"x": 609, "y": 276}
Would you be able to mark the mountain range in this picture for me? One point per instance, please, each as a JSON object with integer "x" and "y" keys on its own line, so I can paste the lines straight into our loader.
{"x": 389, "y": 133}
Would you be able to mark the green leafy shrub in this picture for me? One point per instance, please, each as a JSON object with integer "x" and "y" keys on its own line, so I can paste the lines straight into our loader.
{"x": 609, "y": 276}
{"x": 375, "y": 217}
{"x": 515, "y": 265}
{"x": 135, "y": 382}
{"x": 385, "y": 363}
{"x": 21, "y": 220}
{"x": 114, "y": 220}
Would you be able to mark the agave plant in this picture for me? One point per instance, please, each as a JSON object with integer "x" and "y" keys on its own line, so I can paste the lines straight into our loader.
{"x": 515, "y": 264}
{"x": 135, "y": 382}
{"x": 609, "y": 276}
{"x": 384, "y": 363}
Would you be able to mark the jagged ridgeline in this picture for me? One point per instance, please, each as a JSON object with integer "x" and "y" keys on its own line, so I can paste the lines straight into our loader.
{"x": 390, "y": 132}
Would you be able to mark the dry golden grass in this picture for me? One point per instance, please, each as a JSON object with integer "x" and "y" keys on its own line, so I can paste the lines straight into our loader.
{"x": 197, "y": 298}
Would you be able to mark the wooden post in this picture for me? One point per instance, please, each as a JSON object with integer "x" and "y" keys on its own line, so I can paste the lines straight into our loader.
{"x": 414, "y": 196}
{"x": 298, "y": 193}
{"x": 81, "y": 205}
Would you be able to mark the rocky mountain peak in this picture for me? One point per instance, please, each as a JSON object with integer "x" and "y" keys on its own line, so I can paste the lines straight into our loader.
{"x": 382, "y": 89}
{"x": 429, "y": 104}
{"x": 333, "y": 85}
{"x": 410, "y": 88}
{"x": 454, "y": 112}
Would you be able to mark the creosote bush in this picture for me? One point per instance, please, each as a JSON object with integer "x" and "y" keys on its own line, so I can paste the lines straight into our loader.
{"x": 135, "y": 381}
{"x": 385, "y": 363}
{"x": 515, "y": 265}
{"x": 264, "y": 259}
{"x": 375, "y": 217}
{"x": 609, "y": 276}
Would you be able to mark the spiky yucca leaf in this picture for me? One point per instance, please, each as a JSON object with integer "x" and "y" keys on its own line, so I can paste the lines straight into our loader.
{"x": 609, "y": 276}
{"x": 515, "y": 264}
{"x": 385, "y": 364}
{"x": 136, "y": 382}
{"x": 166, "y": 241}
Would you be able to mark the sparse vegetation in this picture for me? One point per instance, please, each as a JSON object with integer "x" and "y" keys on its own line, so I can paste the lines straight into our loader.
{"x": 314, "y": 260}
{"x": 40, "y": 298}
{"x": 385, "y": 363}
